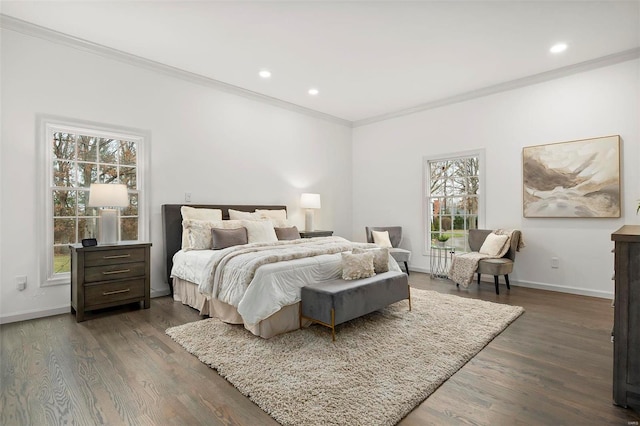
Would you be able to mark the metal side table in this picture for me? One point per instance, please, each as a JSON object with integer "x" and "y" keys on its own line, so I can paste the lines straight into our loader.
{"x": 441, "y": 258}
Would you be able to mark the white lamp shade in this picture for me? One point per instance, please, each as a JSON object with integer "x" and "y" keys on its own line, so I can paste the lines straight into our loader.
{"x": 310, "y": 201}
{"x": 108, "y": 195}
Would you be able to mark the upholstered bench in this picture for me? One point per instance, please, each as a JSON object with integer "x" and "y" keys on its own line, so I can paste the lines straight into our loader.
{"x": 333, "y": 302}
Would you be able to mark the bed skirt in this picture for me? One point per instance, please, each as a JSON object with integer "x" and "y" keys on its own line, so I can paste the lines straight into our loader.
{"x": 286, "y": 319}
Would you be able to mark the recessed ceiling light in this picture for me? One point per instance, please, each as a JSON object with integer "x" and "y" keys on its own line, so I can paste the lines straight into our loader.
{"x": 264, "y": 74}
{"x": 313, "y": 92}
{"x": 558, "y": 48}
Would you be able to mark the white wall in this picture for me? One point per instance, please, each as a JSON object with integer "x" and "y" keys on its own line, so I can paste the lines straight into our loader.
{"x": 220, "y": 147}
{"x": 387, "y": 169}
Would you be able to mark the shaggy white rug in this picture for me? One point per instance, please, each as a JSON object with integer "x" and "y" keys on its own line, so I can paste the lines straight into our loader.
{"x": 379, "y": 368}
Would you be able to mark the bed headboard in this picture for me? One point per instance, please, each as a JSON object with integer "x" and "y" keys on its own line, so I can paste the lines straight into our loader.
{"x": 172, "y": 225}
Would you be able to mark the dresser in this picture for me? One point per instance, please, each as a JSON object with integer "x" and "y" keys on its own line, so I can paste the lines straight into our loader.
{"x": 109, "y": 275}
{"x": 626, "y": 326}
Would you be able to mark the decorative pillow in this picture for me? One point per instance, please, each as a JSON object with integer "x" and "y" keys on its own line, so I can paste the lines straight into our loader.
{"x": 495, "y": 245}
{"x": 381, "y": 238}
{"x": 380, "y": 258}
{"x": 223, "y": 238}
{"x": 356, "y": 266}
{"x": 272, "y": 214}
{"x": 197, "y": 233}
{"x": 287, "y": 233}
{"x": 260, "y": 231}
{"x": 239, "y": 215}
{"x": 197, "y": 214}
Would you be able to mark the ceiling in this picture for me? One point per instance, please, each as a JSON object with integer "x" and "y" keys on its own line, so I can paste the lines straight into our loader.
{"x": 367, "y": 59}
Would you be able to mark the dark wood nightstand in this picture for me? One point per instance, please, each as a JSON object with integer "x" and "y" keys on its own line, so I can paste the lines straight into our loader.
{"x": 311, "y": 234}
{"x": 109, "y": 275}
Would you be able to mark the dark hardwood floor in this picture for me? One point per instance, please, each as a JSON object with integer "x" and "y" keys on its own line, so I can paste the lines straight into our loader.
{"x": 552, "y": 366}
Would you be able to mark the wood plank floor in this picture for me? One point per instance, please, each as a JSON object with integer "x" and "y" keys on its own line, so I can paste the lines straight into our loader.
{"x": 552, "y": 366}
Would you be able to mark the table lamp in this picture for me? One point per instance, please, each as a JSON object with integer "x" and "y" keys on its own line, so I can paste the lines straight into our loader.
{"x": 108, "y": 196}
{"x": 309, "y": 202}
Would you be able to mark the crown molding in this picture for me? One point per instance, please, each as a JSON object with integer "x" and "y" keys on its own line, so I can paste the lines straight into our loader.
{"x": 27, "y": 28}
{"x": 604, "y": 61}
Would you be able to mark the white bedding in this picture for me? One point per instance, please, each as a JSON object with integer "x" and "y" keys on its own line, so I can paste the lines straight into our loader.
{"x": 273, "y": 286}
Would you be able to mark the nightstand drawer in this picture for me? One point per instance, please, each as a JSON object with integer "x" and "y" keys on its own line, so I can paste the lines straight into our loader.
{"x": 112, "y": 257}
{"x": 99, "y": 294}
{"x": 114, "y": 272}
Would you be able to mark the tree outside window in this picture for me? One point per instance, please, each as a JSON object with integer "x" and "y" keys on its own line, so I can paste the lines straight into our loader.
{"x": 453, "y": 188}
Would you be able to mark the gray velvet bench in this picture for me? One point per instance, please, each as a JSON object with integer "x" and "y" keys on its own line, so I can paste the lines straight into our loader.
{"x": 334, "y": 302}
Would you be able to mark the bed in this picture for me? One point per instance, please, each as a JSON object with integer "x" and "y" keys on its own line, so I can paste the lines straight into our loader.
{"x": 269, "y": 305}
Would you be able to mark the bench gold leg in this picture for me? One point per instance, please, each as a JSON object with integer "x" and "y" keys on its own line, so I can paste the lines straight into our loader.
{"x": 409, "y": 291}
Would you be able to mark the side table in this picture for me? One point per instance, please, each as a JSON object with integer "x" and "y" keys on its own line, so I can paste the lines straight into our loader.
{"x": 441, "y": 257}
{"x": 109, "y": 275}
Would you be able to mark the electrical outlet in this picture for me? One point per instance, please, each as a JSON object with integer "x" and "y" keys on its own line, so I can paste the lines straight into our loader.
{"x": 187, "y": 197}
{"x": 555, "y": 262}
{"x": 21, "y": 282}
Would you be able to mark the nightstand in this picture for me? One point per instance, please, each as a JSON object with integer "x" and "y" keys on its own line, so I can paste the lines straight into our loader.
{"x": 109, "y": 275}
{"x": 311, "y": 234}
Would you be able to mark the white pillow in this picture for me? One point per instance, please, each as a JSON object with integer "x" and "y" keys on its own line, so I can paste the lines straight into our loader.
{"x": 495, "y": 245}
{"x": 196, "y": 234}
{"x": 240, "y": 215}
{"x": 381, "y": 238}
{"x": 380, "y": 258}
{"x": 260, "y": 231}
{"x": 272, "y": 214}
{"x": 197, "y": 214}
{"x": 356, "y": 266}
{"x": 280, "y": 223}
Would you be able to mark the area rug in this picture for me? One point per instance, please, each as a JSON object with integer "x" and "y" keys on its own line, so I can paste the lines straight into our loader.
{"x": 379, "y": 368}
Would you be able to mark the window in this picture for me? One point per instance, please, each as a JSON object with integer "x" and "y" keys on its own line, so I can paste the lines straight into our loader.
{"x": 453, "y": 198}
{"x": 76, "y": 156}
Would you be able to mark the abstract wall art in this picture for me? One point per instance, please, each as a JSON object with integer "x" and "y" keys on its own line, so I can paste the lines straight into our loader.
{"x": 572, "y": 179}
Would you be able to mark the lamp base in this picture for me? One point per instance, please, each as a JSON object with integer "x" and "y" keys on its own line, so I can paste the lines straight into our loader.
{"x": 308, "y": 220}
{"x": 108, "y": 226}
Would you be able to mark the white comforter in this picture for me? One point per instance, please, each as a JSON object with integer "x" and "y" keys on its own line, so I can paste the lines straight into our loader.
{"x": 273, "y": 285}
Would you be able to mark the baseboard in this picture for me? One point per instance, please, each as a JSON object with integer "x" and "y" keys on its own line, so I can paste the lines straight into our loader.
{"x": 160, "y": 293}
{"x": 537, "y": 285}
{"x": 42, "y": 313}
{"x": 564, "y": 289}
{"x": 33, "y": 314}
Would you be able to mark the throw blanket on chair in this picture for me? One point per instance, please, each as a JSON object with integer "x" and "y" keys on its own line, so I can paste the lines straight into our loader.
{"x": 465, "y": 265}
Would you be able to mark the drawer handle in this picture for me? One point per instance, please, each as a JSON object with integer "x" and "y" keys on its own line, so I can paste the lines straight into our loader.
{"x": 118, "y": 256}
{"x": 121, "y": 271}
{"x": 107, "y": 293}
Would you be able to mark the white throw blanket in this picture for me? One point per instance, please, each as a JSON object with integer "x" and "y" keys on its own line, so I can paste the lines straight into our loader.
{"x": 236, "y": 268}
{"x": 464, "y": 266}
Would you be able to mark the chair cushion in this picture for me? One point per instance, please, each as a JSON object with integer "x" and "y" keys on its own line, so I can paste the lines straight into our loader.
{"x": 381, "y": 238}
{"x": 501, "y": 266}
{"x": 400, "y": 255}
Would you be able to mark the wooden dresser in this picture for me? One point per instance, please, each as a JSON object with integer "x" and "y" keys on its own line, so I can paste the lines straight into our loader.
{"x": 109, "y": 275}
{"x": 626, "y": 326}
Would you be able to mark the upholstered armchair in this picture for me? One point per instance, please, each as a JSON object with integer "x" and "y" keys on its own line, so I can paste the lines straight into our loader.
{"x": 492, "y": 266}
{"x": 401, "y": 256}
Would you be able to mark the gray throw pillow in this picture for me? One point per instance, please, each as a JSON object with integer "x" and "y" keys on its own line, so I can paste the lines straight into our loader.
{"x": 223, "y": 238}
{"x": 287, "y": 233}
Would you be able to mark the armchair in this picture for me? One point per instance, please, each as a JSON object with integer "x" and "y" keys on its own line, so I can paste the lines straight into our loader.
{"x": 493, "y": 266}
{"x": 395, "y": 237}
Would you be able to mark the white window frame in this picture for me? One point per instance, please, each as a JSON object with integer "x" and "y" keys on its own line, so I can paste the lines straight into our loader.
{"x": 426, "y": 181}
{"x": 47, "y": 125}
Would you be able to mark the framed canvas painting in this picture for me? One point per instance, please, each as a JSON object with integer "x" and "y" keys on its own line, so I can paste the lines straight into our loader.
{"x": 572, "y": 179}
